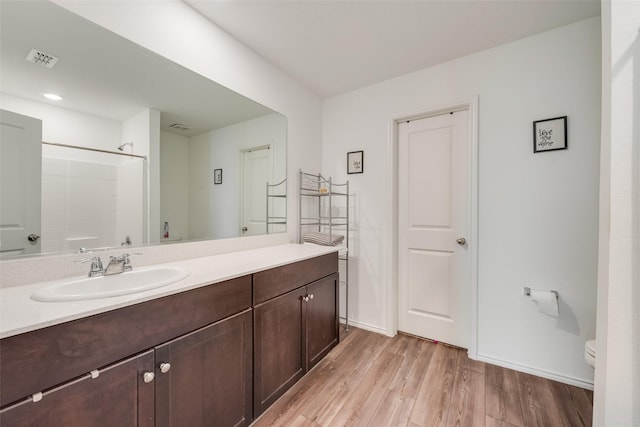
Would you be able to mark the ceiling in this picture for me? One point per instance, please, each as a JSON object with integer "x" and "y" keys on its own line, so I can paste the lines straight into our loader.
{"x": 333, "y": 47}
{"x": 103, "y": 74}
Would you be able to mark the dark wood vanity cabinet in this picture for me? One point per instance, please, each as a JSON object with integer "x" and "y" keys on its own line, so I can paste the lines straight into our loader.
{"x": 295, "y": 330}
{"x": 200, "y": 379}
{"x": 204, "y": 335}
{"x": 44, "y": 358}
{"x": 117, "y": 396}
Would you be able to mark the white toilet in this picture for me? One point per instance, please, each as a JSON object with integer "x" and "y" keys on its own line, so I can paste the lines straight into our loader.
{"x": 590, "y": 352}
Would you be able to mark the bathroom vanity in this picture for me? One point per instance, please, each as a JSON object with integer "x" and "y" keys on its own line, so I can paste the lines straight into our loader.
{"x": 294, "y": 326}
{"x": 217, "y": 352}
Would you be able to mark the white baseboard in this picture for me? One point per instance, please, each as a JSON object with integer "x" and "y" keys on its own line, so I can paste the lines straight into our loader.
{"x": 578, "y": 382}
{"x": 371, "y": 328}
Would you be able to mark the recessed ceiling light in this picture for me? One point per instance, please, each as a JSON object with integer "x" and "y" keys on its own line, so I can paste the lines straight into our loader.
{"x": 53, "y": 96}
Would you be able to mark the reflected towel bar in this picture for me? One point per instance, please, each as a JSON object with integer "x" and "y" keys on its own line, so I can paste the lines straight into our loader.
{"x": 527, "y": 292}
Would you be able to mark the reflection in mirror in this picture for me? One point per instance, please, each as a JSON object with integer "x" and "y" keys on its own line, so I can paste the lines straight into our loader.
{"x": 90, "y": 199}
{"x": 247, "y": 155}
{"x": 148, "y": 136}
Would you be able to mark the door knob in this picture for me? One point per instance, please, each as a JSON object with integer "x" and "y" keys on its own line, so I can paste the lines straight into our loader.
{"x": 461, "y": 241}
{"x": 33, "y": 237}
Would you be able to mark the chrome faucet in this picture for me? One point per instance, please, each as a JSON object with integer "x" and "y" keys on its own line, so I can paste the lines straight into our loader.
{"x": 116, "y": 265}
{"x": 96, "y": 266}
{"x": 119, "y": 264}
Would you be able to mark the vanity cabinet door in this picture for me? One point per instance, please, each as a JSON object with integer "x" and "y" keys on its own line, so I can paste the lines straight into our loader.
{"x": 279, "y": 351}
{"x": 118, "y": 396}
{"x": 205, "y": 378}
{"x": 321, "y": 309}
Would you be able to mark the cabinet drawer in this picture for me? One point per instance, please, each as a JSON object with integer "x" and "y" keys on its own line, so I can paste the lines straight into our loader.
{"x": 280, "y": 280}
{"x": 34, "y": 361}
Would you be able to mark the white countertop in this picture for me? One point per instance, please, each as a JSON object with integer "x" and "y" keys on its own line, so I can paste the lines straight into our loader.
{"x": 19, "y": 313}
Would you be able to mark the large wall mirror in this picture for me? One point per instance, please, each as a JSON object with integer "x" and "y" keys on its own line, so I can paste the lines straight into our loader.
{"x": 139, "y": 150}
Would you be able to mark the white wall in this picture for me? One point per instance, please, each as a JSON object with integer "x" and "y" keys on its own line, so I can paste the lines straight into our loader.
{"x": 538, "y": 213}
{"x": 64, "y": 126}
{"x": 174, "y": 30}
{"x": 617, "y": 386}
{"x": 174, "y": 184}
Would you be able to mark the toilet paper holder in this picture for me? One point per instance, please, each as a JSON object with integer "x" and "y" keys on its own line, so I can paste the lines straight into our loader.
{"x": 527, "y": 292}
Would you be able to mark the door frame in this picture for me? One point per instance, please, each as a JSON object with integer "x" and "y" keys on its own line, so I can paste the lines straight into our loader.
{"x": 391, "y": 191}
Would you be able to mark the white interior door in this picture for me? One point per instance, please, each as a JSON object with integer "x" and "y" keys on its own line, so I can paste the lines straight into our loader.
{"x": 256, "y": 172}
{"x": 433, "y": 225}
{"x": 20, "y": 183}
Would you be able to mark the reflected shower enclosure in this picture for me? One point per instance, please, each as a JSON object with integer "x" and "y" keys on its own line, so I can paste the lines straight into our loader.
{"x": 91, "y": 199}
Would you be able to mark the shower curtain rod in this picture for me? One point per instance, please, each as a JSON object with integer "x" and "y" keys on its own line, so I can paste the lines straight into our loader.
{"x": 55, "y": 144}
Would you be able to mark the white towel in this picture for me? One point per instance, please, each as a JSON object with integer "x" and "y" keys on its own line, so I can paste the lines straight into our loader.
{"x": 324, "y": 239}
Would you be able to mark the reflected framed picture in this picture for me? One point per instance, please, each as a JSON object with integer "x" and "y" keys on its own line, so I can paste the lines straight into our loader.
{"x": 355, "y": 162}
{"x": 550, "y": 134}
{"x": 217, "y": 176}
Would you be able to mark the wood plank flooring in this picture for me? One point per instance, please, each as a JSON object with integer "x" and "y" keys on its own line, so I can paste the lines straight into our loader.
{"x": 373, "y": 380}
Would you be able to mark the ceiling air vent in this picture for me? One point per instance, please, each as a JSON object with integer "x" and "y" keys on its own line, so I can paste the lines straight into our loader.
{"x": 179, "y": 126}
{"x": 42, "y": 58}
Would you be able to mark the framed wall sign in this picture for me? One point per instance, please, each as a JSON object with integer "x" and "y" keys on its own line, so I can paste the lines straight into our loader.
{"x": 550, "y": 134}
{"x": 217, "y": 176}
{"x": 355, "y": 162}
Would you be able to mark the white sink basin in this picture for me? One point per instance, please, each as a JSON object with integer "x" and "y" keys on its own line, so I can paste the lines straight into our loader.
{"x": 137, "y": 280}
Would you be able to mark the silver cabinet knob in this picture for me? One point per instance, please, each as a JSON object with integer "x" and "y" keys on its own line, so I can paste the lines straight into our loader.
{"x": 311, "y": 296}
{"x": 461, "y": 241}
{"x": 148, "y": 377}
{"x": 164, "y": 367}
{"x": 305, "y": 298}
{"x": 33, "y": 237}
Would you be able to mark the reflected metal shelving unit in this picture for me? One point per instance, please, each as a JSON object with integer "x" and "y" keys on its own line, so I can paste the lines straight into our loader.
{"x": 276, "y": 206}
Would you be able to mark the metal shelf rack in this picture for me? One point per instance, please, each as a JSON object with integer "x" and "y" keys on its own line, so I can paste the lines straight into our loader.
{"x": 323, "y": 206}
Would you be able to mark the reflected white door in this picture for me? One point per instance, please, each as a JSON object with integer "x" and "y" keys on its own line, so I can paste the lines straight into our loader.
{"x": 256, "y": 172}
{"x": 433, "y": 220}
{"x": 20, "y": 183}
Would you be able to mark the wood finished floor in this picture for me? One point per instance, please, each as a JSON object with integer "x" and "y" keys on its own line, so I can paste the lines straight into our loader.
{"x": 373, "y": 380}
